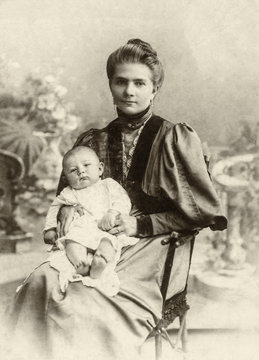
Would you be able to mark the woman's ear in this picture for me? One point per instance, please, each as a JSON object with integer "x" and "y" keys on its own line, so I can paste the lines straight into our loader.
{"x": 101, "y": 168}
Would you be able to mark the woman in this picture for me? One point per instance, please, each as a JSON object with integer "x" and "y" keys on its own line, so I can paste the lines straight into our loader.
{"x": 162, "y": 167}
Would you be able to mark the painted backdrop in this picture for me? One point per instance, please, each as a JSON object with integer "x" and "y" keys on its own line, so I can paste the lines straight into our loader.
{"x": 209, "y": 49}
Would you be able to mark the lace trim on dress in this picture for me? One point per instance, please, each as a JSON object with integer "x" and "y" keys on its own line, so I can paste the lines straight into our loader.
{"x": 127, "y": 158}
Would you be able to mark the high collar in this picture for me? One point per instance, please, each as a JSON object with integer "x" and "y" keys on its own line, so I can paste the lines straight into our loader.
{"x": 134, "y": 121}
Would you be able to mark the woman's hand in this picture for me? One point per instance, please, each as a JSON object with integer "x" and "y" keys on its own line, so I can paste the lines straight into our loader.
{"x": 66, "y": 215}
{"x": 125, "y": 224}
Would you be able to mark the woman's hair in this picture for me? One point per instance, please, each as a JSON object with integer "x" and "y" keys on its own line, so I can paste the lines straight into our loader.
{"x": 137, "y": 51}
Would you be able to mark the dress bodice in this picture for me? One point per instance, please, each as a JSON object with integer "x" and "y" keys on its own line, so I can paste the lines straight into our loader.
{"x": 142, "y": 202}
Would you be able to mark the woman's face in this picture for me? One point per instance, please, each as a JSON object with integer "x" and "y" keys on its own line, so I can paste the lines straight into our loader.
{"x": 132, "y": 87}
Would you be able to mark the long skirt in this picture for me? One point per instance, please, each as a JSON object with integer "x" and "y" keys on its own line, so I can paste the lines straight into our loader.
{"x": 83, "y": 323}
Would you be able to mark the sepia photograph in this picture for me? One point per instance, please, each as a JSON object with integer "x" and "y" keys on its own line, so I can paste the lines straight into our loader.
{"x": 129, "y": 179}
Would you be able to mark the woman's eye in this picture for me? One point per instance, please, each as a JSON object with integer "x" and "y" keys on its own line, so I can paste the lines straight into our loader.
{"x": 72, "y": 170}
{"x": 120, "y": 82}
{"x": 139, "y": 83}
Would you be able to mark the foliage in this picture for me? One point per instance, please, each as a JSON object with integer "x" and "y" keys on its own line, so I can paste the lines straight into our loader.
{"x": 33, "y": 111}
{"x": 29, "y": 113}
{"x": 32, "y": 204}
{"x": 47, "y": 107}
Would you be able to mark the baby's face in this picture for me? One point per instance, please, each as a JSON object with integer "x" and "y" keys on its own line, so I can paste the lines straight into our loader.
{"x": 82, "y": 169}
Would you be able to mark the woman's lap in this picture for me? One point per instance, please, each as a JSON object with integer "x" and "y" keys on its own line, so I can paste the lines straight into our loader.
{"x": 84, "y": 319}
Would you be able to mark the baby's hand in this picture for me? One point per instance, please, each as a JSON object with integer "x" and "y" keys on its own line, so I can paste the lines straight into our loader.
{"x": 108, "y": 220}
{"x": 50, "y": 236}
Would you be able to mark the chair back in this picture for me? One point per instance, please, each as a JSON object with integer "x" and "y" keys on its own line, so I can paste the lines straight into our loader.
{"x": 11, "y": 172}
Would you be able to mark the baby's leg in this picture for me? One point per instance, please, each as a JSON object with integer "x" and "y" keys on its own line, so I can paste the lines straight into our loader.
{"x": 105, "y": 253}
{"x": 77, "y": 255}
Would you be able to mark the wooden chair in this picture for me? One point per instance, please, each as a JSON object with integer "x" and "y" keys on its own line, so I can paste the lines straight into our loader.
{"x": 176, "y": 306}
{"x": 12, "y": 237}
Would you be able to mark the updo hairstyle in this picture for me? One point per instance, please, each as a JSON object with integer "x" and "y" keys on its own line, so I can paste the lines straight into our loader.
{"x": 137, "y": 51}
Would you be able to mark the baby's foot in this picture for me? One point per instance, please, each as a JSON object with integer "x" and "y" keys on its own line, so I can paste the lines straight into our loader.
{"x": 105, "y": 253}
{"x": 77, "y": 255}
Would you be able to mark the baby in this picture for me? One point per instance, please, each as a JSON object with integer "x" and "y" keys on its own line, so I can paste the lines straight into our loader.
{"x": 88, "y": 245}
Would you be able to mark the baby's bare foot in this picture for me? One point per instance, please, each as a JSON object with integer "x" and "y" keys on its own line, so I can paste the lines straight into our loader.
{"x": 104, "y": 254}
{"x": 77, "y": 255}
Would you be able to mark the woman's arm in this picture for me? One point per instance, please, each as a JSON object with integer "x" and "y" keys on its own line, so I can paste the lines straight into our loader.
{"x": 50, "y": 232}
{"x": 177, "y": 171}
{"x": 151, "y": 225}
{"x": 51, "y": 218}
{"x": 162, "y": 223}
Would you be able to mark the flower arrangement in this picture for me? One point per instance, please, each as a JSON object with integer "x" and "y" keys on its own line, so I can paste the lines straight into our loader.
{"x": 47, "y": 106}
{"x": 31, "y": 114}
{"x": 34, "y": 116}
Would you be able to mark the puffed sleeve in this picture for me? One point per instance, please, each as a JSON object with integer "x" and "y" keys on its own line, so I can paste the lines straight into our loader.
{"x": 177, "y": 170}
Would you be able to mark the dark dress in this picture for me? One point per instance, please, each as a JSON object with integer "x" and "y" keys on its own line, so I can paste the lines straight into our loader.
{"x": 170, "y": 189}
